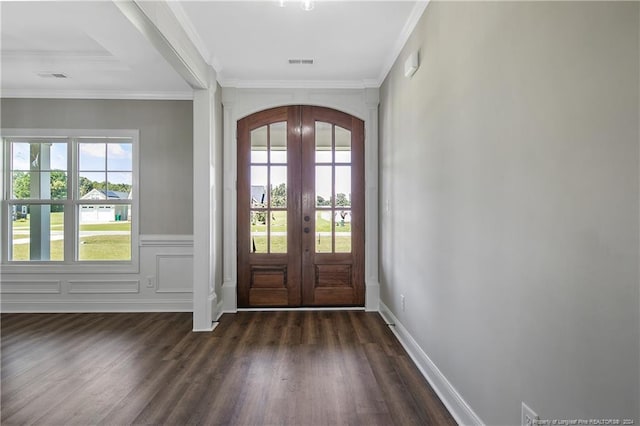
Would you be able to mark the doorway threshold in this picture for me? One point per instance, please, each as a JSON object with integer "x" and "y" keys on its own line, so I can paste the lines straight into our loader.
{"x": 305, "y": 308}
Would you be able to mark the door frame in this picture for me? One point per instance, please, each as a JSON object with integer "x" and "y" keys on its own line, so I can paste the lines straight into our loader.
{"x": 238, "y": 103}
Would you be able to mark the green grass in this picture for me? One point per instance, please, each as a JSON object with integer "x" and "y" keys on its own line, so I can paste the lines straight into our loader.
{"x": 108, "y": 226}
{"x": 102, "y": 247}
{"x": 57, "y": 222}
{"x": 105, "y": 247}
{"x": 21, "y": 251}
{"x": 280, "y": 222}
{"x": 99, "y": 247}
{"x": 279, "y": 243}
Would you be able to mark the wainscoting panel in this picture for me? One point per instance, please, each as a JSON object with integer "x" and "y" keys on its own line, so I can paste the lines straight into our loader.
{"x": 174, "y": 273}
{"x": 163, "y": 282}
{"x": 30, "y": 287}
{"x": 104, "y": 287}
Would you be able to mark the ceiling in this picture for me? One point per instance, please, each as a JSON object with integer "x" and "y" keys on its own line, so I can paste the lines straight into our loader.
{"x": 249, "y": 43}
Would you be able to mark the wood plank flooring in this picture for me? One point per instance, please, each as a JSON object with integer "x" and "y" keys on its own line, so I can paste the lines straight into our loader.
{"x": 256, "y": 368}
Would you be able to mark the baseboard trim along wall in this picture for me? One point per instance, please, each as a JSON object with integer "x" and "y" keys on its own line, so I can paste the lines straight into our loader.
{"x": 163, "y": 283}
{"x": 457, "y": 406}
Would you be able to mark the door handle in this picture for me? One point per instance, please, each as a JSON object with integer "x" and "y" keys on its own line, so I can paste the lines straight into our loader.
{"x": 306, "y": 230}
{"x": 307, "y": 218}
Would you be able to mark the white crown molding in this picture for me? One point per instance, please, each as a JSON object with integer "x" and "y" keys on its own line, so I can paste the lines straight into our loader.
{"x": 299, "y": 84}
{"x": 94, "y": 94}
{"x": 408, "y": 28}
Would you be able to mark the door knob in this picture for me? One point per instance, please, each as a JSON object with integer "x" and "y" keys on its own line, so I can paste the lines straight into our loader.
{"x": 306, "y": 230}
{"x": 306, "y": 218}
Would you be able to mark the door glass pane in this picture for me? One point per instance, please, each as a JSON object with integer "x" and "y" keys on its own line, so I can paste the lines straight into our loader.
{"x": 343, "y": 186}
{"x": 105, "y": 232}
{"x": 324, "y": 188}
{"x": 259, "y": 145}
{"x": 37, "y": 232}
{"x": 343, "y": 231}
{"x": 278, "y": 230}
{"x": 258, "y": 232}
{"x": 324, "y": 225}
{"x": 279, "y": 186}
{"x": 324, "y": 140}
{"x": 259, "y": 186}
{"x": 278, "y": 139}
{"x": 343, "y": 145}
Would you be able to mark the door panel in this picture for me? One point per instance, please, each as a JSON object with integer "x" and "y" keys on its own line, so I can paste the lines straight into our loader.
{"x": 300, "y": 208}
{"x": 333, "y": 200}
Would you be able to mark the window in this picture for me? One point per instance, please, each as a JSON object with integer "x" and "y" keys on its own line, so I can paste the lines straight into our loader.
{"x": 70, "y": 197}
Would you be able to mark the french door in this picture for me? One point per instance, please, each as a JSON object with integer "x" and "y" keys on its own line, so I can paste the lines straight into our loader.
{"x": 300, "y": 208}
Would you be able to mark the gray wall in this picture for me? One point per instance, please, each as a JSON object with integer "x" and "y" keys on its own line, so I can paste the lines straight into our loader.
{"x": 166, "y": 148}
{"x": 510, "y": 164}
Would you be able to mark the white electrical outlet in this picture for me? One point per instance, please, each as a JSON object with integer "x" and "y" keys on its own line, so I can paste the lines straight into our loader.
{"x": 150, "y": 281}
{"x": 402, "y": 304}
{"x": 529, "y": 417}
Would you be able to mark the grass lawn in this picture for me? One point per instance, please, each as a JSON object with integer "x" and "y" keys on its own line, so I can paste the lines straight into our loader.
{"x": 97, "y": 247}
{"x": 279, "y": 242}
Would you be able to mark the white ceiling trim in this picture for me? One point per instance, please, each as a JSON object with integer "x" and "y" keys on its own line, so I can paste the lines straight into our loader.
{"x": 96, "y": 94}
{"x": 299, "y": 84}
{"x": 408, "y": 28}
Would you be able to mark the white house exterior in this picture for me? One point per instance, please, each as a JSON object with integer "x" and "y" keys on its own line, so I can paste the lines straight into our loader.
{"x": 104, "y": 213}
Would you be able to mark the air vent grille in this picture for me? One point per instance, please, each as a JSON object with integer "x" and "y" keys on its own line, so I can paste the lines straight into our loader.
{"x": 301, "y": 61}
{"x": 52, "y": 75}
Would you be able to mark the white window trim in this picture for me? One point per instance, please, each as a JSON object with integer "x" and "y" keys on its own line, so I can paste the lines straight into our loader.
{"x": 70, "y": 265}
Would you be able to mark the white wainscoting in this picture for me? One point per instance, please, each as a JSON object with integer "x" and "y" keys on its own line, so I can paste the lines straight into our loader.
{"x": 163, "y": 283}
{"x": 174, "y": 273}
{"x": 30, "y": 287}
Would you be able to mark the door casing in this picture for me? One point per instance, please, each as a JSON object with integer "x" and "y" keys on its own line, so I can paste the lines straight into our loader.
{"x": 241, "y": 102}
{"x": 301, "y": 276}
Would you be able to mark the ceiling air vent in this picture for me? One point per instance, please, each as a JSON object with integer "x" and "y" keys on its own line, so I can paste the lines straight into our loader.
{"x": 301, "y": 61}
{"x": 52, "y": 75}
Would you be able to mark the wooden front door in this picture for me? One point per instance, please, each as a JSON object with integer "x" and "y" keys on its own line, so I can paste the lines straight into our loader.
{"x": 300, "y": 208}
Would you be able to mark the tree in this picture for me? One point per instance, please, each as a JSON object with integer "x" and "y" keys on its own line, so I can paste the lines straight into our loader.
{"x": 341, "y": 200}
{"x": 21, "y": 185}
{"x": 279, "y": 196}
{"x": 322, "y": 202}
{"x": 58, "y": 185}
{"x": 85, "y": 185}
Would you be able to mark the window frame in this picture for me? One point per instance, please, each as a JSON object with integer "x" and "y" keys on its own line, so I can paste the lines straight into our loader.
{"x": 71, "y": 204}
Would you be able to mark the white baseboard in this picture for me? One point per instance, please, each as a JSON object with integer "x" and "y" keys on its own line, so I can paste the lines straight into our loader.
{"x": 219, "y": 310}
{"x": 457, "y": 406}
{"x": 81, "y": 306}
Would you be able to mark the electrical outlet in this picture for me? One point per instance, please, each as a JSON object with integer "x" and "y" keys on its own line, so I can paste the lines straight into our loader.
{"x": 402, "y": 303}
{"x": 150, "y": 281}
{"x": 529, "y": 417}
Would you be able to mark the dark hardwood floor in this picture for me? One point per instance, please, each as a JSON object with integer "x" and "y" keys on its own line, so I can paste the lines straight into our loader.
{"x": 256, "y": 368}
